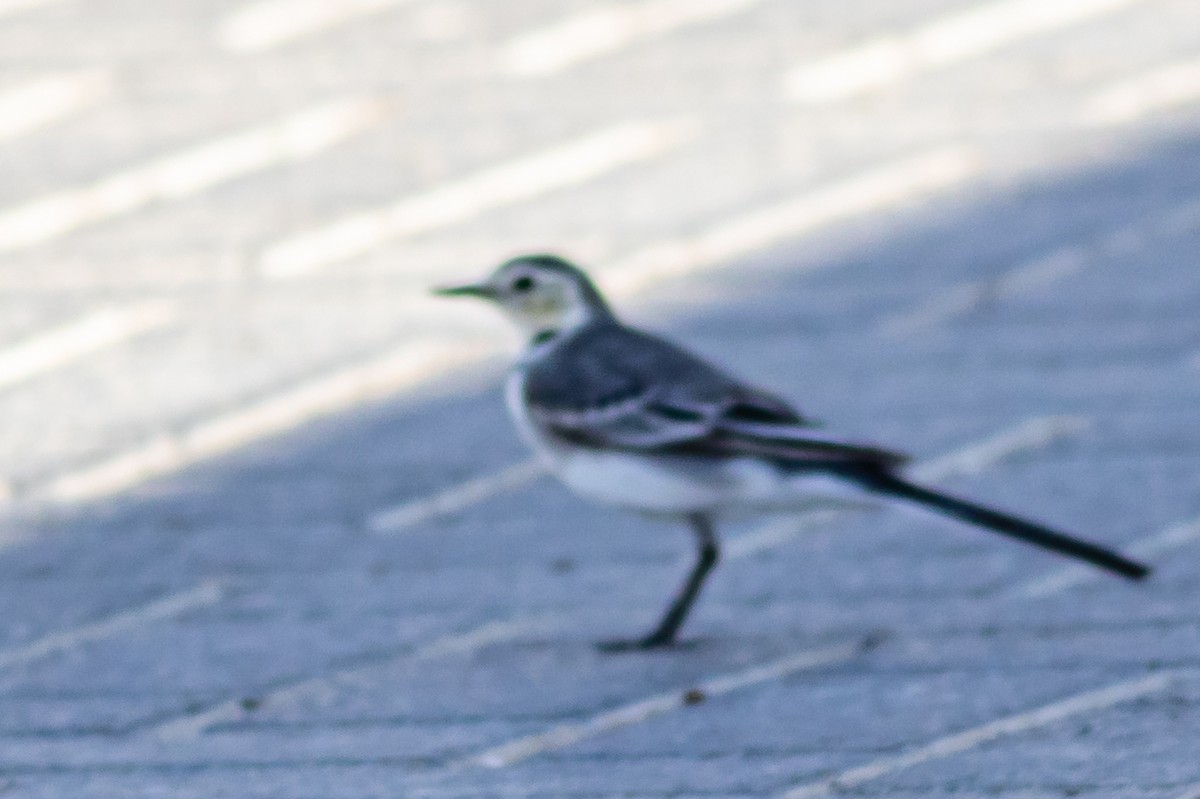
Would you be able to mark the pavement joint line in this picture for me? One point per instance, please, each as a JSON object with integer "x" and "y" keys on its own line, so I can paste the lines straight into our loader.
{"x": 403, "y": 367}
{"x": 264, "y": 25}
{"x": 957, "y": 36}
{"x": 189, "y": 172}
{"x": 965, "y": 297}
{"x": 67, "y": 343}
{"x": 1173, "y": 536}
{"x": 190, "y": 727}
{"x": 1028, "y": 436}
{"x": 1158, "y": 89}
{"x": 1176, "y": 535}
{"x": 889, "y": 184}
{"x": 205, "y": 594}
{"x": 601, "y": 30}
{"x": 1179, "y": 219}
{"x": 455, "y": 499}
{"x": 564, "y": 735}
{"x": 48, "y": 99}
{"x": 518, "y": 179}
{"x": 958, "y": 743}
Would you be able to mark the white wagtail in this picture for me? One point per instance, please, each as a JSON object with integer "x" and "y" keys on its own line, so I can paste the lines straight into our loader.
{"x": 629, "y": 419}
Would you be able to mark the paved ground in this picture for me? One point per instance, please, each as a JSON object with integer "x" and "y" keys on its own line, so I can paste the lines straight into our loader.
{"x": 261, "y": 541}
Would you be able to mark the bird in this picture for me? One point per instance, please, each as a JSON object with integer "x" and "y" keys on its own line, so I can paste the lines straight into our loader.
{"x": 630, "y": 419}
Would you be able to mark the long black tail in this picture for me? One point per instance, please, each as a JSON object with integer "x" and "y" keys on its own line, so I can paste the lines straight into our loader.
{"x": 1030, "y": 532}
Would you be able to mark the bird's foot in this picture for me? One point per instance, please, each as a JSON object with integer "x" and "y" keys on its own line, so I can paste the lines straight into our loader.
{"x": 652, "y": 641}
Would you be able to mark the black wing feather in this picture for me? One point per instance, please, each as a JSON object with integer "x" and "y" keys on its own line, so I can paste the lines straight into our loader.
{"x": 615, "y": 387}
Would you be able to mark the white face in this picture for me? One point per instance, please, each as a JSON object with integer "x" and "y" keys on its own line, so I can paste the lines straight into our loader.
{"x": 539, "y": 299}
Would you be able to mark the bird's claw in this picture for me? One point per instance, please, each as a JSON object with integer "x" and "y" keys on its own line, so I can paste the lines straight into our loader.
{"x": 653, "y": 641}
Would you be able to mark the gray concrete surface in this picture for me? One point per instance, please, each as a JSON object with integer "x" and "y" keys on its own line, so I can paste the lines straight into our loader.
{"x": 237, "y": 628}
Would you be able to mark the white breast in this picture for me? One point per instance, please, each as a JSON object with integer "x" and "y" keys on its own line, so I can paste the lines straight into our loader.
{"x": 514, "y": 398}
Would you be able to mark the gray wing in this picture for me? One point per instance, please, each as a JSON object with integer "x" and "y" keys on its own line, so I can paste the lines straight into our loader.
{"x": 615, "y": 387}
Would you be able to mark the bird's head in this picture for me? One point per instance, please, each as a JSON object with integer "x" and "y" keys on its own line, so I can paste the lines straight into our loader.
{"x": 540, "y": 293}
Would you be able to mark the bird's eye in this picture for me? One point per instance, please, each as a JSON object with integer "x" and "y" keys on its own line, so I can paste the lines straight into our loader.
{"x": 522, "y": 284}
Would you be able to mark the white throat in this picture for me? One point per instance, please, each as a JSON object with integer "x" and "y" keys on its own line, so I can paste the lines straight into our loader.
{"x": 573, "y": 317}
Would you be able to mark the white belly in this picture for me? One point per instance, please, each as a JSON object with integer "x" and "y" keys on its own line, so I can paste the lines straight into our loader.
{"x": 645, "y": 484}
{"x": 685, "y": 484}
{"x": 514, "y": 398}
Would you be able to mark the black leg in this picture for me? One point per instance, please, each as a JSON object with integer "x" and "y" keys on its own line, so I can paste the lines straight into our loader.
{"x": 707, "y": 554}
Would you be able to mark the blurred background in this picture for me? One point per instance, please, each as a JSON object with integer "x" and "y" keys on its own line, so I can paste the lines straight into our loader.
{"x": 944, "y": 224}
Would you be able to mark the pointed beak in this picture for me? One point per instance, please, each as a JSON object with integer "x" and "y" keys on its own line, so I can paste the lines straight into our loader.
{"x": 481, "y": 290}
